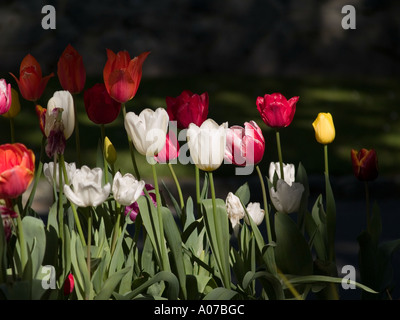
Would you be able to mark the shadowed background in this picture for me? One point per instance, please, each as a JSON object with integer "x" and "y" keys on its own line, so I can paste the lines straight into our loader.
{"x": 236, "y": 51}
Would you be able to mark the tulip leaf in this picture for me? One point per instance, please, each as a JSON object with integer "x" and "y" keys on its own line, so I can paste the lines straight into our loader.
{"x": 271, "y": 284}
{"x": 221, "y": 294}
{"x": 35, "y": 238}
{"x": 174, "y": 241}
{"x": 173, "y": 200}
{"x": 301, "y": 176}
{"x": 243, "y": 193}
{"x": 292, "y": 252}
{"x": 110, "y": 284}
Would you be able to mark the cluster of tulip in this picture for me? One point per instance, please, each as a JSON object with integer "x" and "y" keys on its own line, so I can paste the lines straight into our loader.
{"x": 194, "y": 256}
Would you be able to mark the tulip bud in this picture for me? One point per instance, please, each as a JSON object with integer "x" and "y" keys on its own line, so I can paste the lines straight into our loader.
{"x": 324, "y": 128}
{"x": 69, "y": 284}
{"x": 365, "y": 164}
{"x": 255, "y": 212}
{"x": 286, "y": 198}
{"x": 41, "y": 113}
{"x": 234, "y": 209}
{"x": 15, "y": 107}
{"x": 109, "y": 151}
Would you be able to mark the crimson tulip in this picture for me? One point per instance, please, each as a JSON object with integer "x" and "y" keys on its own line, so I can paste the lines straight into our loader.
{"x": 17, "y": 166}
{"x": 170, "y": 150}
{"x": 188, "y": 108}
{"x": 5, "y": 96}
{"x": 275, "y": 110}
{"x": 244, "y": 146}
{"x": 100, "y": 107}
{"x": 31, "y": 83}
{"x": 71, "y": 71}
{"x": 365, "y": 164}
{"x": 69, "y": 284}
{"x": 122, "y": 74}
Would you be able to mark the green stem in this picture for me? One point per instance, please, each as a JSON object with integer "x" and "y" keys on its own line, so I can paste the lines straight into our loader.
{"x": 278, "y": 144}
{"x": 264, "y": 194}
{"x": 21, "y": 239}
{"x": 367, "y": 204}
{"x": 103, "y": 137}
{"x": 89, "y": 244}
{"x": 164, "y": 256}
{"x": 116, "y": 228}
{"x": 76, "y": 217}
{"x": 326, "y": 159}
{"x": 198, "y": 197}
{"x": 12, "y": 130}
{"x": 60, "y": 200}
{"x": 77, "y": 140}
{"x": 131, "y": 150}
{"x": 178, "y": 187}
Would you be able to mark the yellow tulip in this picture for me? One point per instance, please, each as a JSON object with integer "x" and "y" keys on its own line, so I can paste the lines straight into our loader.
{"x": 15, "y": 107}
{"x": 109, "y": 151}
{"x": 324, "y": 128}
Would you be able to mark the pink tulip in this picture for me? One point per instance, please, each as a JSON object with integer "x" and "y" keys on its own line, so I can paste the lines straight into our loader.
{"x": 5, "y": 96}
{"x": 170, "y": 150}
{"x": 244, "y": 146}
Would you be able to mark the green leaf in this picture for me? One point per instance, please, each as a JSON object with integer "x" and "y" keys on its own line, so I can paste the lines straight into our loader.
{"x": 174, "y": 240}
{"x": 330, "y": 218}
{"x": 243, "y": 193}
{"x": 221, "y": 294}
{"x": 173, "y": 200}
{"x": 35, "y": 238}
{"x": 292, "y": 253}
{"x": 301, "y": 177}
{"x": 110, "y": 284}
{"x": 270, "y": 283}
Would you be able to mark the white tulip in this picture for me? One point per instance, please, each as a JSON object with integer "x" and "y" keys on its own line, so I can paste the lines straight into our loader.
{"x": 148, "y": 131}
{"x": 49, "y": 172}
{"x": 288, "y": 172}
{"x": 286, "y": 198}
{"x": 87, "y": 189}
{"x": 126, "y": 189}
{"x": 207, "y": 144}
{"x": 63, "y": 100}
{"x": 255, "y": 212}
{"x": 234, "y": 209}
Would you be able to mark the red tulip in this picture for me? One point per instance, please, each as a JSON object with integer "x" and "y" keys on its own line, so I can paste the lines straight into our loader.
{"x": 170, "y": 150}
{"x": 244, "y": 146}
{"x": 275, "y": 110}
{"x": 17, "y": 166}
{"x": 122, "y": 75}
{"x": 365, "y": 164}
{"x": 100, "y": 107}
{"x": 188, "y": 108}
{"x": 31, "y": 83}
{"x": 41, "y": 113}
{"x": 69, "y": 284}
{"x": 5, "y": 96}
{"x": 71, "y": 71}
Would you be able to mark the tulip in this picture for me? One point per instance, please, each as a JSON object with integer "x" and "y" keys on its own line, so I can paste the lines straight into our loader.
{"x": 61, "y": 100}
{"x": 147, "y": 130}
{"x": 255, "y": 212}
{"x": 286, "y": 198}
{"x": 69, "y": 284}
{"x": 275, "y": 110}
{"x": 170, "y": 150}
{"x": 234, "y": 210}
{"x": 15, "y": 106}
{"x": 122, "y": 75}
{"x": 31, "y": 83}
{"x": 244, "y": 146}
{"x": 5, "y": 96}
{"x": 71, "y": 71}
{"x": 126, "y": 189}
{"x": 7, "y": 214}
{"x": 109, "y": 151}
{"x": 324, "y": 128}
{"x": 288, "y": 169}
{"x": 365, "y": 164}
{"x": 99, "y": 106}
{"x": 133, "y": 209}
{"x": 17, "y": 166}
{"x": 188, "y": 108}
{"x": 49, "y": 171}
{"x": 207, "y": 144}
{"x": 41, "y": 114}
{"x": 87, "y": 189}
